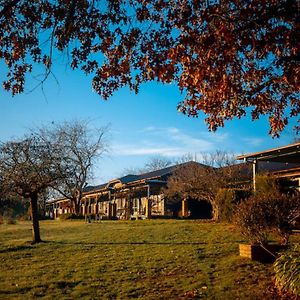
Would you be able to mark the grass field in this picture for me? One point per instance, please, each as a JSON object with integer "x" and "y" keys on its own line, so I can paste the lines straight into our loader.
{"x": 150, "y": 259}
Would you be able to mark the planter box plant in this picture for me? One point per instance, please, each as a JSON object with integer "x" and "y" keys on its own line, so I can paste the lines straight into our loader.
{"x": 260, "y": 215}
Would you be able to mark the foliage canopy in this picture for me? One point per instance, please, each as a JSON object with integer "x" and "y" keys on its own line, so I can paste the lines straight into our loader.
{"x": 227, "y": 57}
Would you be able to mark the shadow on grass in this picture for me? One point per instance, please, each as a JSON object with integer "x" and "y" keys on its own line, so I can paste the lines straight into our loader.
{"x": 82, "y": 243}
{"x": 62, "y": 285}
{"x": 30, "y": 246}
{"x": 124, "y": 243}
{"x": 16, "y": 248}
{"x": 16, "y": 291}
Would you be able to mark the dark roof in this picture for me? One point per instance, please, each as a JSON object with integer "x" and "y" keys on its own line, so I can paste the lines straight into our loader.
{"x": 94, "y": 187}
{"x": 130, "y": 178}
{"x": 156, "y": 173}
{"x": 165, "y": 171}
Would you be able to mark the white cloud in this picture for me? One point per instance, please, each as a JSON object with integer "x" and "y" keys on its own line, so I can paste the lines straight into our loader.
{"x": 168, "y": 141}
{"x": 189, "y": 142}
{"x": 253, "y": 142}
{"x": 132, "y": 150}
{"x": 149, "y": 128}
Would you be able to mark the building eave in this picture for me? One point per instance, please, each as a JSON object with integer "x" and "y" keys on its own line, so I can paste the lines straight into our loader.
{"x": 287, "y": 154}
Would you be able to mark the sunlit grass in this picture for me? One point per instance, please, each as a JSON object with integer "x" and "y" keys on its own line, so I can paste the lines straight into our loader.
{"x": 151, "y": 259}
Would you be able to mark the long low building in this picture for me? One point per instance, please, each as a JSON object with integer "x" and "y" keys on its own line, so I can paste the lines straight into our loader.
{"x": 132, "y": 196}
{"x": 142, "y": 196}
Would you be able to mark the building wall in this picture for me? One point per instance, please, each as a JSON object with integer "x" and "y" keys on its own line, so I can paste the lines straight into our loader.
{"x": 114, "y": 208}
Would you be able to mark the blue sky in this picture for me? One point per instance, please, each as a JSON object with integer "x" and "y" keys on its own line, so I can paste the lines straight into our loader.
{"x": 141, "y": 126}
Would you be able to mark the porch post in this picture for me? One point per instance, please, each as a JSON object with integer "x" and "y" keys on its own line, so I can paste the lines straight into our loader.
{"x": 128, "y": 206}
{"x": 148, "y": 203}
{"x": 109, "y": 210}
{"x": 85, "y": 209}
{"x": 162, "y": 199}
{"x": 184, "y": 206}
{"x": 109, "y": 205}
{"x": 114, "y": 210}
{"x": 254, "y": 171}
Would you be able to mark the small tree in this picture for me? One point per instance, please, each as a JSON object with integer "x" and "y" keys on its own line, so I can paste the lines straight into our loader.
{"x": 27, "y": 168}
{"x": 250, "y": 220}
{"x": 75, "y": 148}
{"x": 261, "y": 214}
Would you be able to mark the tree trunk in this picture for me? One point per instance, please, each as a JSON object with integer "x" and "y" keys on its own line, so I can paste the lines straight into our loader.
{"x": 77, "y": 203}
{"x": 215, "y": 211}
{"x": 35, "y": 218}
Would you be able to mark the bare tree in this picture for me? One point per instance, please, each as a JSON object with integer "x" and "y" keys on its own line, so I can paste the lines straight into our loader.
{"x": 78, "y": 148}
{"x": 152, "y": 164}
{"x": 157, "y": 162}
{"x": 27, "y": 169}
{"x": 218, "y": 158}
{"x": 186, "y": 158}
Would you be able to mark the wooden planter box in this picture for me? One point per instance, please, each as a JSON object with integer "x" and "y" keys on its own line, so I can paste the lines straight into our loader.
{"x": 258, "y": 253}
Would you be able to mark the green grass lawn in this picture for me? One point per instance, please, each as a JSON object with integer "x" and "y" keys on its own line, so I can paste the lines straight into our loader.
{"x": 150, "y": 259}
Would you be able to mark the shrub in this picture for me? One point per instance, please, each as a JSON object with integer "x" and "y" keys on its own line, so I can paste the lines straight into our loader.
{"x": 10, "y": 220}
{"x": 13, "y": 207}
{"x": 260, "y": 214}
{"x": 69, "y": 216}
{"x": 8, "y": 217}
{"x": 251, "y": 221}
{"x": 227, "y": 200}
{"x": 287, "y": 272}
{"x": 266, "y": 184}
{"x": 284, "y": 215}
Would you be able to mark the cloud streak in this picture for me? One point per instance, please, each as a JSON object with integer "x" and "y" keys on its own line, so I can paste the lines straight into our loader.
{"x": 164, "y": 151}
{"x": 168, "y": 141}
{"x": 253, "y": 142}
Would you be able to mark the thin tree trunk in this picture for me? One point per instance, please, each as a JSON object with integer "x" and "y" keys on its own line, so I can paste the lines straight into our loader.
{"x": 215, "y": 212}
{"x": 36, "y": 238}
